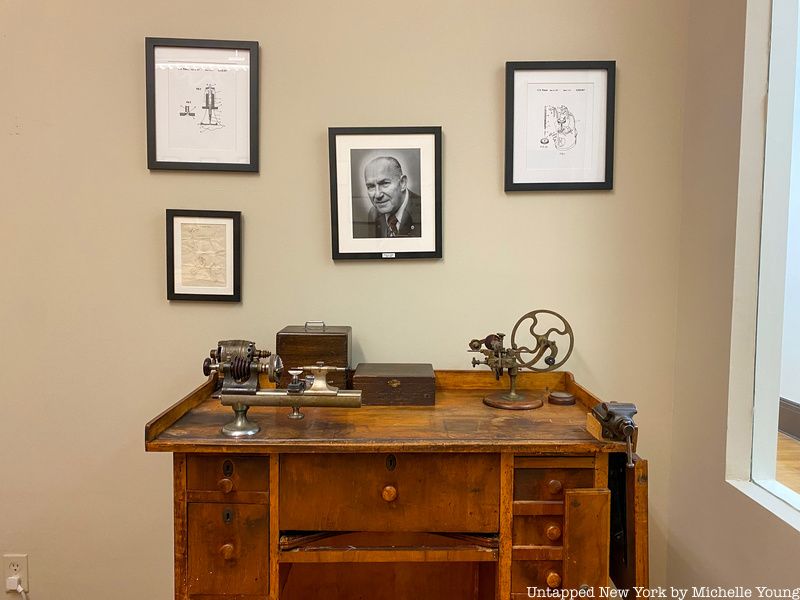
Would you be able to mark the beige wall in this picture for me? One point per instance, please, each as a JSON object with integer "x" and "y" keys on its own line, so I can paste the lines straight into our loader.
{"x": 94, "y": 349}
{"x": 716, "y": 534}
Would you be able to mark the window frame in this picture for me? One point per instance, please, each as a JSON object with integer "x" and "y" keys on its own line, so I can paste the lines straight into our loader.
{"x": 765, "y": 162}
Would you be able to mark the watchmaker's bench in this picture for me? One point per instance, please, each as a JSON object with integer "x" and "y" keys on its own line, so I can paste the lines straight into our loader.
{"x": 457, "y": 500}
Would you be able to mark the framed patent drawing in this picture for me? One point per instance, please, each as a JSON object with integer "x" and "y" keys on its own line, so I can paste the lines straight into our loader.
{"x": 202, "y": 104}
{"x": 204, "y": 255}
{"x": 386, "y": 192}
{"x": 559, "y": 125}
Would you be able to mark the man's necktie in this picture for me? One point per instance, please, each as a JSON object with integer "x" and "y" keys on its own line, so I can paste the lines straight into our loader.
{"x": 392, "y": 221}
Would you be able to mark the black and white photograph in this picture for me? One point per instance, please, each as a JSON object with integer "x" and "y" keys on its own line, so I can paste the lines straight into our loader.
{"x": 386, "y": 192}
{"x": 204, "y": 255}
{"x": 559, "y": 125}
{"x": 202, "y": 104}
{"x": 386, "y": 201}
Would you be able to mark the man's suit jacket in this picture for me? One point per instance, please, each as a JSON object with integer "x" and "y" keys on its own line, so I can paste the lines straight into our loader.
{"x": 409, "y": 226}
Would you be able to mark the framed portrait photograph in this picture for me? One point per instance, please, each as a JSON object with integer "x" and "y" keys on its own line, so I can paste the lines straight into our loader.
{"x": 202, "y": 104}
{"x": 386, "y": 192}
{"x": 559, "y": 125}
{"x": 204, "y": 255}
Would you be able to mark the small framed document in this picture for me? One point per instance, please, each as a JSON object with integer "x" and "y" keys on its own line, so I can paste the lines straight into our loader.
{"x": 204, "y": 255}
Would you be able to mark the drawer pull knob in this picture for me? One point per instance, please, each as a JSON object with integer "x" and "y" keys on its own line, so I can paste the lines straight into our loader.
{"x": 225, "y": 485}
{"x": 393, "y": 383}
{"x": 226, "y": 551}
{"x": 389, "y": 493}
{"x": 553, "y": 532}
{"x": 554, "y": 486}
{"x": 553, "y": 580}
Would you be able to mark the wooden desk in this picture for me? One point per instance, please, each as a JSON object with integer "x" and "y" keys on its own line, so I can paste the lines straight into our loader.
{"x": 454, "y": 501}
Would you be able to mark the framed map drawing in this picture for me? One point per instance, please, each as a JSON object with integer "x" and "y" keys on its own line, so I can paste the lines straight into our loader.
{"x": 559, "y": 125}
{"x": 204, "y": 255}
{"x": 202, "y": 104}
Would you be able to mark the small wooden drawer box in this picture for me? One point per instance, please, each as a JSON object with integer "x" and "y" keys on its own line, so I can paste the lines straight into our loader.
{"x": 395, "y": 384}
{"x": 303, "y": 345}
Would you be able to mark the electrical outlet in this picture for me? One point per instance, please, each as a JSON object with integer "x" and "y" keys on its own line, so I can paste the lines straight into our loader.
{"x": 16, "y": 564}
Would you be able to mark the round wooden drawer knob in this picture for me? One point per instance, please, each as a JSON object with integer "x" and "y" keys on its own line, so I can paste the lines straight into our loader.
{"x": 553, "y": 580}
{"x": 226, "y": 551}
{"x": 554, "y": 486}
{"x": 553, "y": 532}
{"x": 225, "y": 485}
{"x": 389, "y": 493}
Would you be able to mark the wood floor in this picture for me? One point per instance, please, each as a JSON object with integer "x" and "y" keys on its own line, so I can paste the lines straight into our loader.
{"x": 788, "y": 469}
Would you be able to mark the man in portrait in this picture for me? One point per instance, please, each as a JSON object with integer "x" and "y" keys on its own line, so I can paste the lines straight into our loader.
{"x": 396, "y": 210}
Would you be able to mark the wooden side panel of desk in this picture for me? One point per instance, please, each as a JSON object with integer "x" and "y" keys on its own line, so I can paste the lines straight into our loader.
{"x": 638, "y": 520}
{"x": 274, "y": 530}
{"x": 506, "y": 520}
{"x": 180, "y": 524}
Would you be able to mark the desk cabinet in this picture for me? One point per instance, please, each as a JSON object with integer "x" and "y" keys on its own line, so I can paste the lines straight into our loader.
{"x": 457, "y": 500}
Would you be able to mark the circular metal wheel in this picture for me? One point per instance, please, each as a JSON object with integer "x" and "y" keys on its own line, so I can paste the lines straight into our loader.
{"x": 545, "y": 349}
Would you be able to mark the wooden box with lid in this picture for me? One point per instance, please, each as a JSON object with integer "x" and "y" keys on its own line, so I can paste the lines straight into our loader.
{"x": 395, "y": 384}
{"x": 302, "y": 345}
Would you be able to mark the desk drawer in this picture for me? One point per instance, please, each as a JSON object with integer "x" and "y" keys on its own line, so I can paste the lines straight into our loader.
{"x": 390, "y": 492}
{"x": 539, "y": 574}
{"x": 544, "y": 530}
{"x": 227, "y": 474}
{"x": 227, "y": 549}
{"x": 549, "y": 484}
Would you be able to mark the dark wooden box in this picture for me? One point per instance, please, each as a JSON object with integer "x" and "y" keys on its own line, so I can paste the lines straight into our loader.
{"x": 302, "y": 345}
{"x": 395, "y": 384}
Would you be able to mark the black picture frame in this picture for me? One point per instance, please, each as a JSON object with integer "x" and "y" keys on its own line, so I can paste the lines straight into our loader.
{"x": 207, "y": 254}
{"x": 359, "y": 228}
{"x": 559, "y": 80}
{"x": 161, "y": 114}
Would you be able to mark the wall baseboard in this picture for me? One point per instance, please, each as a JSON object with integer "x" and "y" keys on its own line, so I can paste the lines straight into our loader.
{"x": 789, "y": 418}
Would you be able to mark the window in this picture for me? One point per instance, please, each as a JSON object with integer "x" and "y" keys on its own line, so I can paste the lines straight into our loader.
{"x": 769, "y": 185}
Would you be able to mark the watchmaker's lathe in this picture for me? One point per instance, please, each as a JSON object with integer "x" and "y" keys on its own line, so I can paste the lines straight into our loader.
{"x": 545, "y": 350}
{"x": 240, "y": 363}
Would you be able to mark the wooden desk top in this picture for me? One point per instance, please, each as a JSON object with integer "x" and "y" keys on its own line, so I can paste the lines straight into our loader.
{"x": 459, "y": 422}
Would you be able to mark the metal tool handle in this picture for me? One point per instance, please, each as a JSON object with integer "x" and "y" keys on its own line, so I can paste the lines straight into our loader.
{"x": 629, "y": 452}
{"x": 321, "y": 367}
{"x": 269, "y": 397}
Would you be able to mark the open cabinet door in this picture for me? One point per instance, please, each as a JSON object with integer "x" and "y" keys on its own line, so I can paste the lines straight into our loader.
{"x": 630, "y": 563}
{"x": 586, "y": 527}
